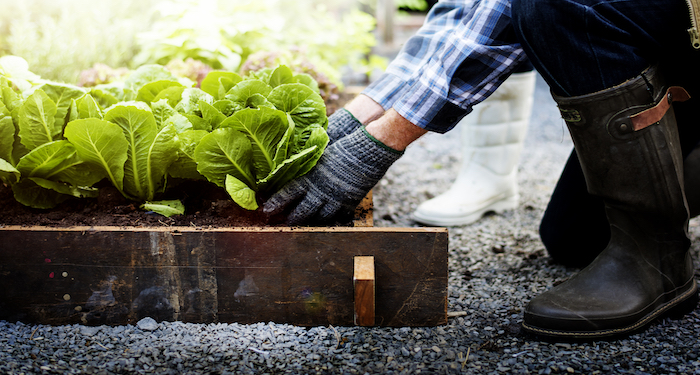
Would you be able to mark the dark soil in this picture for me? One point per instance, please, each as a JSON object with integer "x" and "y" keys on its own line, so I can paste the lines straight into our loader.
{"x": 206, "y": 206}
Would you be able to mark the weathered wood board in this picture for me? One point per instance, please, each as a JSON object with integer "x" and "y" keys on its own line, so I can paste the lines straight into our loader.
{"x": 301, "y": 276}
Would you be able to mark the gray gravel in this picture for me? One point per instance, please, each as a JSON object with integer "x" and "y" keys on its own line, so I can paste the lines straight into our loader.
{"x": 496, "y": 266}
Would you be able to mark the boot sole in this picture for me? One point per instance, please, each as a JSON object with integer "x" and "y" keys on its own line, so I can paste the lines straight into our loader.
{"x": 675, "y": 309}
{"x": 498, "y": 207}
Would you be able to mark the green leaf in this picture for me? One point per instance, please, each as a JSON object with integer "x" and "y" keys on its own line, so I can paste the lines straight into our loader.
{"x": 66, "y": 189}
{"x": 58, "y": 161}
{"x": 172, "y": 94}
{"x": 303, "y": 104}
{"x": 7, "y": 138}
{"x": 103, "y": 97}
{"x": 241, "y": 193}
{"x": 264, "y": 128}
{"x": 62, "y": 95}
{"x": 289, "y": 169}
{"x": 211, "y": 115}
{"x": 150, "y": 151}
{"x": 317, "y": 138}
{"x": 281, "y": 75}
{"x": 8, "y": 173}
{"x": 199, "y": 123}
{"x": 185, "y": 166}
{"x": 146, "y": 74}
{"x": 166, "y": 208}
{"x": 151, "y": 90}
{"x": 245, "y": 89}
{"x": 189, "y": 105}
{"x": 101, "y": 144}
{"x": 37, "y": 123}
{"x": 180, "y": 122}
{"x": 10, "y": 98}
{"x": 88, "y": 107}
{"x": 227, "y": 107}
{"x": 225, "y": 151}
{"x": 218, "y": 82}
{"x": 307, "y": 80}
{"x": 162, "y": 111}
{"x": 29, "y": 193}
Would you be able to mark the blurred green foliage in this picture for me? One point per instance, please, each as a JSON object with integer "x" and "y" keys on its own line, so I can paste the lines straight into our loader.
{"x": 59, "y": 39}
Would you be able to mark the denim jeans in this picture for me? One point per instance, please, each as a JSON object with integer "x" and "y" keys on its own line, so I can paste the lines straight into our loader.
{"x": 584, "y": 46}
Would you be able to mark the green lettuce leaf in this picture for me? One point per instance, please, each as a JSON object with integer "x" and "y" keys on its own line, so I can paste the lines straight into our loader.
{"x": 37, "y": 123}
{"x": 166, "y": 208}
{"x": 58, "y": 161}
{"x": 185, "y": 166}
{"x": 88, "y": 107}
{"x": 240, "y": 93}
{"x": 217, "y": 83}
{"x": 146, "y": 74}
{"x": 66, "y": 189}
{"x": 102, "y": 144}
{"x": 265, "y": 128}
{"x": 162, "y": 111}
{"x": 303, "y": 104}
{"x": 191, "y": 98}
{"x": 8, "y": 173}
{"x": 148, "y": 92}
{"x": 241, "y": 193}
{"x": 62, "y": 95}
{"x": 225, "y": 151}
{"x": 150, "y": 151}
{"x": 7, "y": 138}
{"x": 29, "y": 193}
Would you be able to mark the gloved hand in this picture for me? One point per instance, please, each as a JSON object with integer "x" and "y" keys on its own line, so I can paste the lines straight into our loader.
{"x": 340, "y": 124}
{"x": 346, "y": 172}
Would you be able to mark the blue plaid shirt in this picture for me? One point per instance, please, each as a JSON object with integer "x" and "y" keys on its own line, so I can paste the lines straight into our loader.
{"x": 461, "y": 54}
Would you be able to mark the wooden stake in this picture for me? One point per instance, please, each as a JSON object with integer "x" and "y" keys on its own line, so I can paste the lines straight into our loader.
{"x": 363, "y": 281}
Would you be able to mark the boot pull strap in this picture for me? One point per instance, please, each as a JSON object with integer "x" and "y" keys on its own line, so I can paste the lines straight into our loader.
{"x": 654, "y": 114}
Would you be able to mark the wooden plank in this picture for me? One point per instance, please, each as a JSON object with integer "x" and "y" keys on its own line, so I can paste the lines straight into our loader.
{"x": 364, "y": 284}
{"x": 303, "y": 276}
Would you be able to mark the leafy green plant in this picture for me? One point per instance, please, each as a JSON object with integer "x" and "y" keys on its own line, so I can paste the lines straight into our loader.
{"x": 61, "y": 38}
{"x": 224, "y": 34}
{"x": 249, "y": 135}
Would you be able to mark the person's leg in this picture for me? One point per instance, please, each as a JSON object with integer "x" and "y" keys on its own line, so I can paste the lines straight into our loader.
{"x": 492, "y": 139}
{"x": 574, "y": 228}
{"x": 595, "y": 65}
{"x": 584, "y": 46}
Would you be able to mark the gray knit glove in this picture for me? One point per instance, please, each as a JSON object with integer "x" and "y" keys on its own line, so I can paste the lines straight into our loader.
{"x": 340, "y": 124}
{"x": 346, "y": 172}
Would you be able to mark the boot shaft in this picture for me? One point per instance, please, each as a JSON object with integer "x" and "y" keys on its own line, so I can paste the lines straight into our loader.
{"x": 637, "y": 171}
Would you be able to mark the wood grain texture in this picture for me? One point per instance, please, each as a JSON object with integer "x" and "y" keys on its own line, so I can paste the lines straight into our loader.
{"x": 364, "y": 284}
{"x": 301, "y": 276}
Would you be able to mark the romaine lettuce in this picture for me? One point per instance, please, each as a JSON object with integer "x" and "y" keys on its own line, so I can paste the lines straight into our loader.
{"x": 249, "y": 135}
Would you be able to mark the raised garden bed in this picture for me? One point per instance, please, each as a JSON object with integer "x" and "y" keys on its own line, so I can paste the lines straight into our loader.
{"x": 118, "y": 274}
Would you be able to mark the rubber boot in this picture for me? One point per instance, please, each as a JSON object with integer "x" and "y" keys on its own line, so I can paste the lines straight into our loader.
{"x": 631, "y": 158}
{"x": 492, "y": 139}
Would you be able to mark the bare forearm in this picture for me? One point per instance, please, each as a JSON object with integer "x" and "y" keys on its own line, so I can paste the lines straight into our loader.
{"x": 394, "y": 131}
{"x": 364, "y": 109}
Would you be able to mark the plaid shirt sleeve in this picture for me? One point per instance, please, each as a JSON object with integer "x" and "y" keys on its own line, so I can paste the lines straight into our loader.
{"x": 461, "y": 54}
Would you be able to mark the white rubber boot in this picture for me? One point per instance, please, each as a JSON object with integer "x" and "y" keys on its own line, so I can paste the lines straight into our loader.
{"x": 492, "y": 139}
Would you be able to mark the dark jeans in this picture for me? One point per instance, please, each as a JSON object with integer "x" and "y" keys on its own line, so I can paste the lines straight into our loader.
{"x": 583, "y": 46}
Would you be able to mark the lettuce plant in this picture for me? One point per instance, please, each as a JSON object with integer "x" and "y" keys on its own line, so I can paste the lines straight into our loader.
{"x": 276, "y": 132}
{"x": 249, "y": 135}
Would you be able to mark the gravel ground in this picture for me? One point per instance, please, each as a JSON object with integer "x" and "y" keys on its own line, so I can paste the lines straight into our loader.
{"x": 496, "y": 266}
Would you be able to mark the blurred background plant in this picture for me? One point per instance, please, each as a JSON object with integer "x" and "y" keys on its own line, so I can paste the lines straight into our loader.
{"x": 61, "y": 39}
